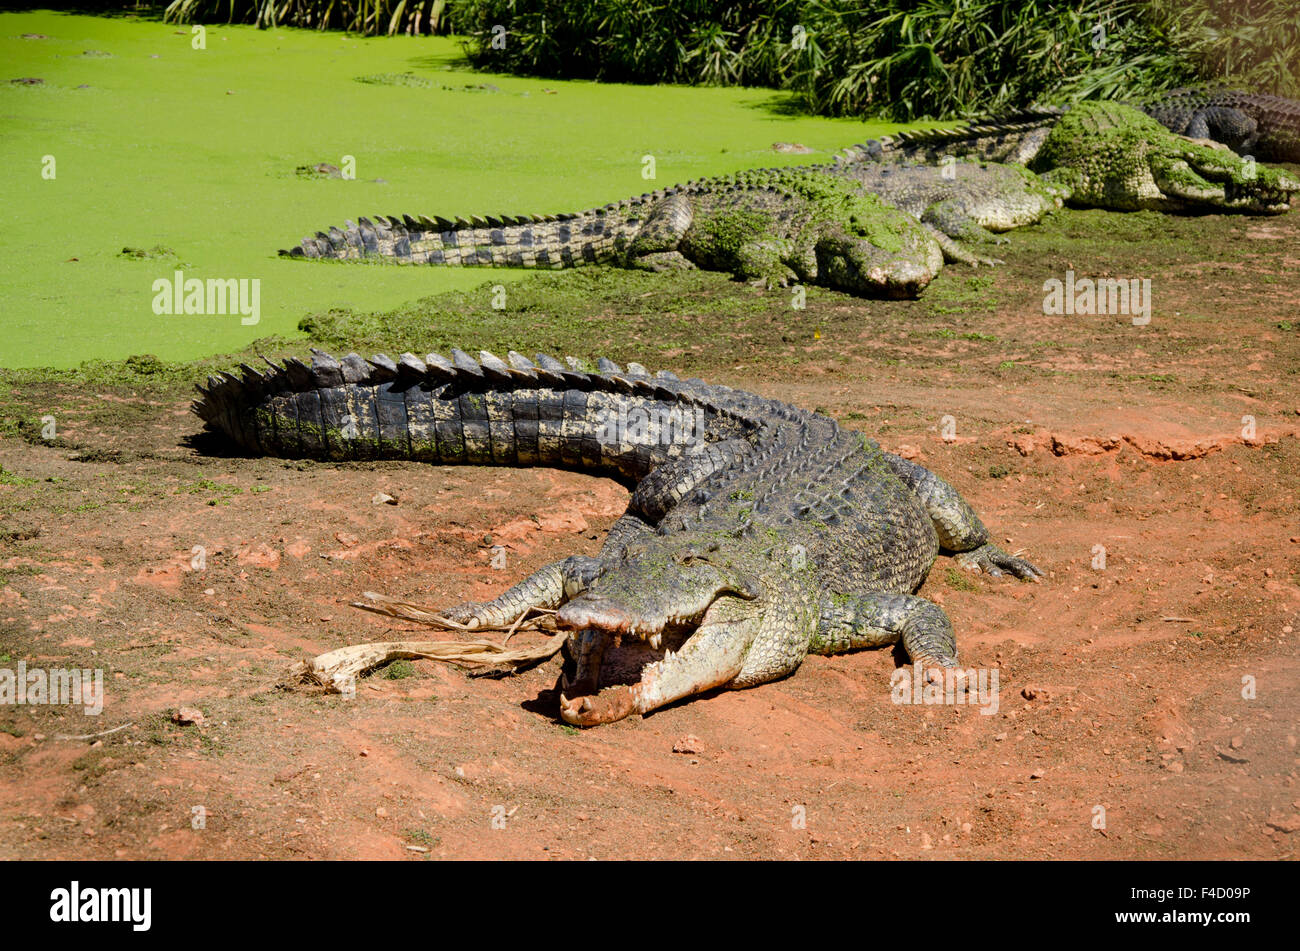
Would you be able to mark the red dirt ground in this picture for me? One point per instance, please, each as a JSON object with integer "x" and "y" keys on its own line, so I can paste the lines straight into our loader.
{"x": 1121, "y": 689}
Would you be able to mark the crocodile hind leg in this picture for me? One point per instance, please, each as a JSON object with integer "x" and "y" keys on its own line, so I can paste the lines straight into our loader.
{"x": 1226, "y": 124}
{"x": 959, "y": 529}
{"x": 660, "y": 261}
{"x": 655, "y": 247}
{"x": 878, "y": 619}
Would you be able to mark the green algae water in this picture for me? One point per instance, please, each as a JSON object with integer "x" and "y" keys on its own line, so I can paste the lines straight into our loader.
{"x": 136, "y": 139}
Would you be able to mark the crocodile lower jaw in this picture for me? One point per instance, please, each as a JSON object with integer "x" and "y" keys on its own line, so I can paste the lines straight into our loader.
{"x": 610, "y": 684}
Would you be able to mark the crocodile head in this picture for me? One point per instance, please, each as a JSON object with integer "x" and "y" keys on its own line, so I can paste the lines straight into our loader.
{"x": 1106, "y": 155}
{"x": 893, "y": 262}
{"x": 692, "y": 609}
{"x": 1202, "y": 177}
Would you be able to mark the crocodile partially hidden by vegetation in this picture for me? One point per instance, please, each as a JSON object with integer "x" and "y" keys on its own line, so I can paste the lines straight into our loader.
{"x": 1267, "y": 127}
{"x": 1102, "y": 155}
{"x": 756, "y": 533}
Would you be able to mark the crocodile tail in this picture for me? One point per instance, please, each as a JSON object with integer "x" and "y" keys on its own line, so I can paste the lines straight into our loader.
{"x": 1001, "y": 138}
{"x": 617, "y": 422}
{"x": 544, "y": 241}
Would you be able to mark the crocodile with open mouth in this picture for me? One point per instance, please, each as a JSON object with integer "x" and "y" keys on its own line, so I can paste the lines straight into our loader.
{"x": 756, "y": 533}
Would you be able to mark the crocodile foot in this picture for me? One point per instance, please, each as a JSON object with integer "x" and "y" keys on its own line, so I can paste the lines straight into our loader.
{"x": 468, "y": 613}
{"x": 992, "y": 560}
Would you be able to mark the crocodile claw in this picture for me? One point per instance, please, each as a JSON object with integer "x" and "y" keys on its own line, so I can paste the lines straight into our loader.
{"x": 992, "y": 560}
{"x": 466, "y": 613}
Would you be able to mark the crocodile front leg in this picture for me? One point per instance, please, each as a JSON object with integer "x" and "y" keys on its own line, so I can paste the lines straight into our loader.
{"x": 952, "y": 226}
{"x": 878, "y": 619}
{"x": 551, "y": 586}
{"x": 954, "y": 252}
{"x": 548, "y": 588}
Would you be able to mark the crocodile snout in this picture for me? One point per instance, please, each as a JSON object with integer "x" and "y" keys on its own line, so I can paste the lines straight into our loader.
{"x": 589, "y": 611}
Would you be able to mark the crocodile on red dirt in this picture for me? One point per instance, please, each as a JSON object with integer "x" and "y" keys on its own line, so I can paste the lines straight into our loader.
{"x": 757, "y": 532}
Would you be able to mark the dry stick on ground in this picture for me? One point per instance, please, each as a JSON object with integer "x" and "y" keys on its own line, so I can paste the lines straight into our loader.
{"x": 91, "y": 736}
{"x": 337, "y": 670}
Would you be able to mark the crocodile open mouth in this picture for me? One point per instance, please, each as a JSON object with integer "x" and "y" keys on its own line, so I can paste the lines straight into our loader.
{"x": 615, "y": 653}
{"x": 663, "y": 596}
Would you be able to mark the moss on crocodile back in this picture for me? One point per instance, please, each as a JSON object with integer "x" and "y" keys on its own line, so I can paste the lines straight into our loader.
{"x": 837, "y": 201}
{"x": 720, "y": 236}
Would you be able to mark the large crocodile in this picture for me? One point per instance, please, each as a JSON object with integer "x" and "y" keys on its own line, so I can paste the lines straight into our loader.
{"x": 1102, "y": 155}
{"x": 756, "y": 532}
{"x": 770, "y": 226}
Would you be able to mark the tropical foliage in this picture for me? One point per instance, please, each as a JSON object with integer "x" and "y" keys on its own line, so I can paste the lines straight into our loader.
{"x": 904, "y": 59}
{"x": 357, "y": 16}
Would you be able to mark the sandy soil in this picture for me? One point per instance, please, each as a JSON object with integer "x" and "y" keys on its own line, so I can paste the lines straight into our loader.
{"x": 1127, "y": 726}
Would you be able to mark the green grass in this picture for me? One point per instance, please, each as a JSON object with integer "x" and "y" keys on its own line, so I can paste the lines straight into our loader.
{"x": 189, "y": 157}
{"x": 8, "y": 478}
{"x": 958, "y": 579}
{"x": 399, "y": 670}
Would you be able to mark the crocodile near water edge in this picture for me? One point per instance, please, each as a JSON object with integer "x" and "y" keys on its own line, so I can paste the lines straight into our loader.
{"x": 1101, "y": 155}
{"x": 765, "y": 225}
{"x": 861, "y": 225}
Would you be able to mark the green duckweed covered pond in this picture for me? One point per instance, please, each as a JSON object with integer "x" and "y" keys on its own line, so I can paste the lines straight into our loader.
{"x": 136, "y": 139}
